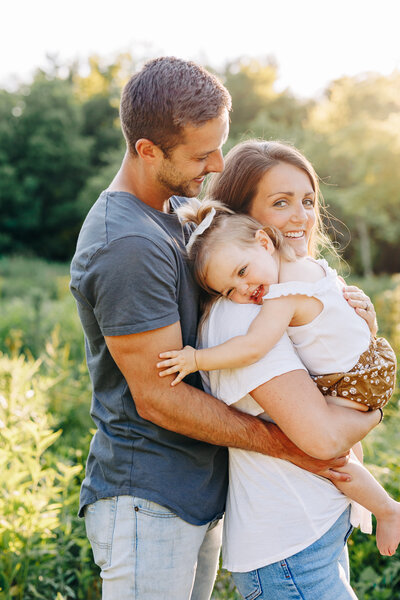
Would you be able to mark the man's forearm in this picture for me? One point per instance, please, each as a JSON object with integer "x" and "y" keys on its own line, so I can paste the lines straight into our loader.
{"x": 191, "y": 412}
{"x": 213, "y": 422}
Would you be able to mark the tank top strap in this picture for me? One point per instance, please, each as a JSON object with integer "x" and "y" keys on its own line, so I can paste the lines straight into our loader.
{"x": 304, "y": 288}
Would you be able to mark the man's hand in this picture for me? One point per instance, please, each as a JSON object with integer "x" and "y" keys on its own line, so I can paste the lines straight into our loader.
{"x": 286, "y": 450}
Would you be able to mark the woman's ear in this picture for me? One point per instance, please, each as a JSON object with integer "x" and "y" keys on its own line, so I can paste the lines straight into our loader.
{"x": 263, "y": 238}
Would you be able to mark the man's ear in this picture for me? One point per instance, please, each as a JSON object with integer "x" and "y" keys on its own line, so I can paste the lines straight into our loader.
{"x": 147, "y": 150}
{"x": 265, "y": 241}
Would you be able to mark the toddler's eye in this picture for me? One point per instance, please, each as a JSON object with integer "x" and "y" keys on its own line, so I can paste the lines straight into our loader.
{"x": 242, "y": 271}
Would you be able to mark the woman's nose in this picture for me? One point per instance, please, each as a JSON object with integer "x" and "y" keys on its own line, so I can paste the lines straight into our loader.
{"x": 299, "y": 214}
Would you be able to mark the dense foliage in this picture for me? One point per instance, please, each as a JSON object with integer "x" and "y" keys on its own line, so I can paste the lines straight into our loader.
{"x": 45, "y": 431}
{"x": 60, "y": 145}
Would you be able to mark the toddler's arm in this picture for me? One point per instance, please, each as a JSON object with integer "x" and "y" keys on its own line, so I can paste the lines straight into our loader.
{"x": 240, "y": 351}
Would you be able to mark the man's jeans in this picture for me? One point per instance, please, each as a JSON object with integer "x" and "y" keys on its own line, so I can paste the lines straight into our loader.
{"x": 146, "y": 552}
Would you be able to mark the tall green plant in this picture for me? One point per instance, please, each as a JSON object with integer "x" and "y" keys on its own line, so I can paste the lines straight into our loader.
{"x": 32, "y": 487}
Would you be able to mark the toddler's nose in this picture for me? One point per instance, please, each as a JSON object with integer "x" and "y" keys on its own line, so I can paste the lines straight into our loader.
{"x": 242, "y": 288}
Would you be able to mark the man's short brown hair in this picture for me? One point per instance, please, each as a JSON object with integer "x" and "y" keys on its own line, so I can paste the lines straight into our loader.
{"x": 167, "y": 95}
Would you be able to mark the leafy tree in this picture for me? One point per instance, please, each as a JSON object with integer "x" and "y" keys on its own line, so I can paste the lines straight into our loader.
{"x": 251, "y": 85}
{"x": 259, "y": 110}
{"x": 358, "y": 126}
{"x": 45, "y": 159}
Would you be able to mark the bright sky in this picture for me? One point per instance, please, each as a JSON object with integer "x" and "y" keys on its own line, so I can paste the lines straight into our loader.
{"x": 313, "y": 41}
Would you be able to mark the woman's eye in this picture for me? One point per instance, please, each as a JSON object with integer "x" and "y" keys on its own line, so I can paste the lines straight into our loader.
{"x": 242, "y": 271}
{"x": 280, "y": 203}
{"x": 308, "y": 202}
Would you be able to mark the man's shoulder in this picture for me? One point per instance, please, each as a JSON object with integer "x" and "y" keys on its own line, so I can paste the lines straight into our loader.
{"x": 120, "y": 229}
{"x": 118, "y": 216}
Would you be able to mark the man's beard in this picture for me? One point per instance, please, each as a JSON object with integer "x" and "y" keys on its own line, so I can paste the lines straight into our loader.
{"x": 171, "y": 180}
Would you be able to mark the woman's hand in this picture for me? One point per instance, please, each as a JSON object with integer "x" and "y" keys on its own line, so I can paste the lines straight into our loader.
{"x": 182, "y": 362}
{"x": 362, "y": 305}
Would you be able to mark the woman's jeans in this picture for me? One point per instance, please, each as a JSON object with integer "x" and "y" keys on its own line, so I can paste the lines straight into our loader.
{"x": 316, "y": 573}
{"x": 146, "y": 552}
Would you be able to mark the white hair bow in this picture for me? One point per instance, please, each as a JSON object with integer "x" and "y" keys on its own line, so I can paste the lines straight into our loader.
{"x": 205, "y": 224}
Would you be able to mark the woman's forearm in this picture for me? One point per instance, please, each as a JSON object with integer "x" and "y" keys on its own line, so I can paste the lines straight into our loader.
{"x": 300, "y": 410}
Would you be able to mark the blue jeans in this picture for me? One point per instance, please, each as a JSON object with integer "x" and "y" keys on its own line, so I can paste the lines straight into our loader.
{"x": 146, "y": 552}
{"x": 319, "y": 572}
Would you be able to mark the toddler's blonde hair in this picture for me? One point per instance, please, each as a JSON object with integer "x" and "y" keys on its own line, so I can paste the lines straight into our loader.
{"x": 226, "y": 227}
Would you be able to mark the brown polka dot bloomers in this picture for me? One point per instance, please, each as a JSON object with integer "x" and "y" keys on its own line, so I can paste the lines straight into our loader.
{"x": 370, "y": 382}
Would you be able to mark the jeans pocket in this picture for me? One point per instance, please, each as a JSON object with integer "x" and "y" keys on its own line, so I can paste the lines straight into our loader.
{"x": 99, "y": 522}
{"x": 153, "y": 509}
{"x": 248, "y": 584}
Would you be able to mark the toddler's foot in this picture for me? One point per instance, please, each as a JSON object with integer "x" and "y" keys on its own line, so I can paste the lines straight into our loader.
{"x": 388, "y": 529}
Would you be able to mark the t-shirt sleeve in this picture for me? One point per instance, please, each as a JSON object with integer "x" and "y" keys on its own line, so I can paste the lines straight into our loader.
{"x": 230, "y": 385}
{"x": 131, "y": 285}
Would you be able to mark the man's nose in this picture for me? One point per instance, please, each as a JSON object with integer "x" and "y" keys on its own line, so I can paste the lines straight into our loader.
{"x": 216, "y": 162}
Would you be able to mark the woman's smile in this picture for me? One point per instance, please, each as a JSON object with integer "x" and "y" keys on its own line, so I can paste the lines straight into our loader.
{"x": 286, "y": 199}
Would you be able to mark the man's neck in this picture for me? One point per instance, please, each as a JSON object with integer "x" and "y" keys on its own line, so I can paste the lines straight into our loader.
{"x": 135, "y": 179}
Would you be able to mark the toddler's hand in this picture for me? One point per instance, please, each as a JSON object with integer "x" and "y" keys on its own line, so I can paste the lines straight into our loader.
{"x": 182, "y": 362}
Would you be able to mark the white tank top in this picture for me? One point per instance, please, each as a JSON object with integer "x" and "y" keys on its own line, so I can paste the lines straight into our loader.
{"x": 334, "y": 340}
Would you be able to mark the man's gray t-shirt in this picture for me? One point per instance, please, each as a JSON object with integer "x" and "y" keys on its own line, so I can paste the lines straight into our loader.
{"x": 130, "y": 275}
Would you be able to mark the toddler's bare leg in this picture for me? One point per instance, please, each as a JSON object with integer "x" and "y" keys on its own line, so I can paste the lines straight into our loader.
{"x": 339, "y": 401}
{"x": 364, "y": 489}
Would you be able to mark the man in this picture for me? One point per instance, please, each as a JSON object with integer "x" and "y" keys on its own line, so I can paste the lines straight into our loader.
{"x": 156, "y": 474}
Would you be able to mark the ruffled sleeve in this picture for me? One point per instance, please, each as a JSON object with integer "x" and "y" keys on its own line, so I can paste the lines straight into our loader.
{"x": 305, "y": 288}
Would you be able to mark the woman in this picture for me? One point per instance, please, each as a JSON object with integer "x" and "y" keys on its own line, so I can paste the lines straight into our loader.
{"x": 286, "y": 529}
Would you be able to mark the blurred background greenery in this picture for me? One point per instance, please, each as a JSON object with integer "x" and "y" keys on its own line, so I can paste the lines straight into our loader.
{"x": 60, "y": 144}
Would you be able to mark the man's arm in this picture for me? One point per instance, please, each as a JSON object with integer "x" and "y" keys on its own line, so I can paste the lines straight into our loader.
{"x": 321, "y": 430}
{"x": 193, "y": 413}
{"x": 185, "y": 409}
